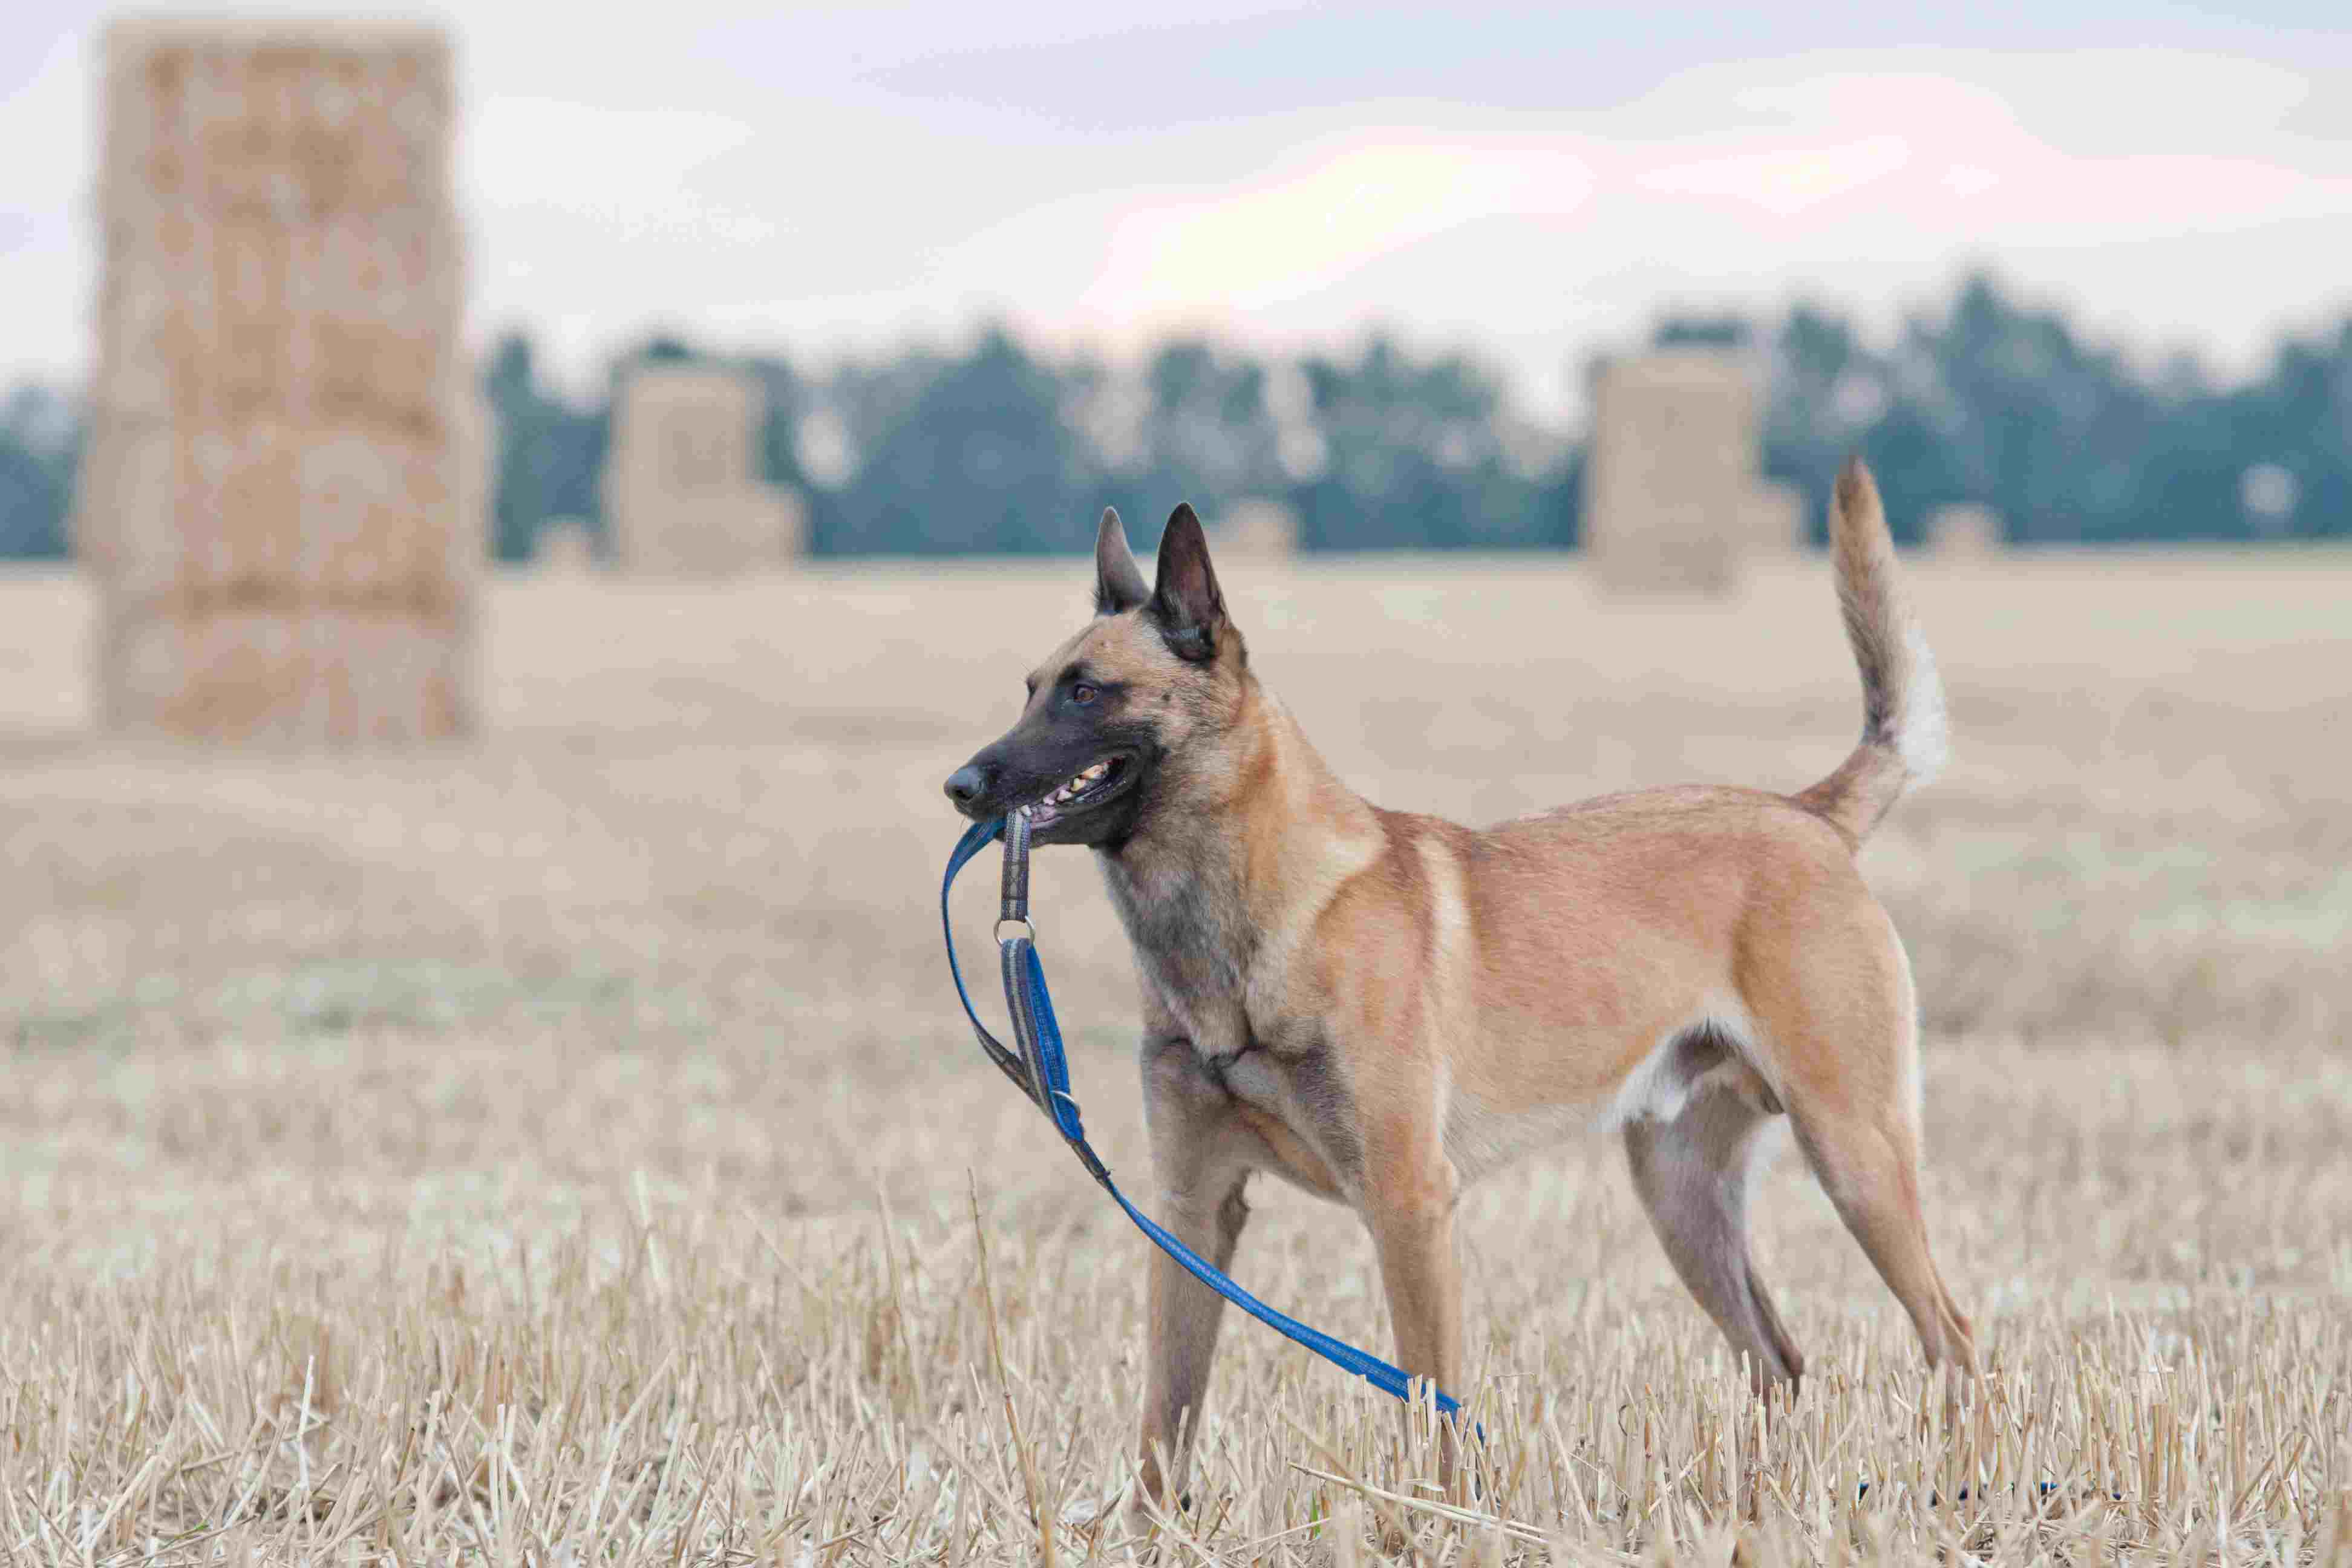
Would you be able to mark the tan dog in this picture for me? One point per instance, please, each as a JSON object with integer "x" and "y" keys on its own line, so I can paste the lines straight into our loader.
{"x": 1381, "y": 1007}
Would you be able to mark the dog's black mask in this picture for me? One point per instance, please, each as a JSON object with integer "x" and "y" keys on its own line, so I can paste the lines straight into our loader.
{"x": 1082, "y": 769}
{"x": 1087, "y": 753}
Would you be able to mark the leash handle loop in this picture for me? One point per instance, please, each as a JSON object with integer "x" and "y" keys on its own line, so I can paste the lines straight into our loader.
{"x": 977, "y": 838}
{"x": 1016, "y": 901}
{"x": 1040, "y": 1068}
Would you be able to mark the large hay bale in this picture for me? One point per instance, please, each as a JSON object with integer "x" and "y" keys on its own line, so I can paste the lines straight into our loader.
{"x": 285, "y": 481}
{"x": 682, "y": 489}
{"x": 1672, "y": 499}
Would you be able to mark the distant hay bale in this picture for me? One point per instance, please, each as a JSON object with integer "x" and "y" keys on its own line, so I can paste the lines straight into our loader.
{"x": 566, "y": 547}
{"x": 682, "y": 488}
{"x": 1965, "y": 529}
{"x": 1671, "y": 496}
{"x": 1256, "y": 529}
{"x": 286, "y": 478}
{"x": 1772, "y": 520}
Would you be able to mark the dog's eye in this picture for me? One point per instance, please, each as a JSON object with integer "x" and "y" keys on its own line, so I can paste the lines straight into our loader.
{"x": 1083, "y": 694}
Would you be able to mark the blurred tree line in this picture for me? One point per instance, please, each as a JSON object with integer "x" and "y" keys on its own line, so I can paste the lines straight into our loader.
{"x": 40, "y": 441}
{"x": 993, "y": 448}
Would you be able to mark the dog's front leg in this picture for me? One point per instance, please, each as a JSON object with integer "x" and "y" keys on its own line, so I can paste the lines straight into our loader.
{"x": 1409, "y": 1190}
{"x": 1200, "y": 1165}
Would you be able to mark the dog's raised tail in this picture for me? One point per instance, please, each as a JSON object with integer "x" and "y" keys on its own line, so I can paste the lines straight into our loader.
{"x": 1904, "y": 735}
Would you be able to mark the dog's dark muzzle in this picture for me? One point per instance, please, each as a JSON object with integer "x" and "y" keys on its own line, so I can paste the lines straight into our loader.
{"x": 990, "y": 785}
{"x": 967, "y": 786}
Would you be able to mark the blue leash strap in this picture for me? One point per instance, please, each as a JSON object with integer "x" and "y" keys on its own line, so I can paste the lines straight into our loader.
{"x": 1038, "y": 1068}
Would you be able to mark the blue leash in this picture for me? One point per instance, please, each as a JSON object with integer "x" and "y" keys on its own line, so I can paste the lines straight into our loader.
{"x": 1039, "y": 1070}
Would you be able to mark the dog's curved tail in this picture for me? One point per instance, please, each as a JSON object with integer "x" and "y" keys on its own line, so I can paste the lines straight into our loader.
{"x": 1905, "y": 736}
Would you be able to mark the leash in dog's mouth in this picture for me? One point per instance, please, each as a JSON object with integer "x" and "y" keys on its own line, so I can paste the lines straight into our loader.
{"x": 1037, "y": 1066}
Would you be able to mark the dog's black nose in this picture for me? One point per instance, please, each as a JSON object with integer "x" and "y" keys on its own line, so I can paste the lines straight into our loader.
{"x": 967, "y": 784}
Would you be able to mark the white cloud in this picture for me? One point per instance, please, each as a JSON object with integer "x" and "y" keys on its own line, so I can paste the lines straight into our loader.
{"x": 825, "y": 181}
{"x": 1316, "y": 215}
{"x": 1783, "y": 180}
{"x": 633, "y": 171}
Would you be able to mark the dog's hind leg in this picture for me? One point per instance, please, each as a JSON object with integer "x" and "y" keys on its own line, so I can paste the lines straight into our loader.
{"x": 1692, "y": 1174}
{"x": 1851, "y": 1085}
{"x": 1869, "y": 1166}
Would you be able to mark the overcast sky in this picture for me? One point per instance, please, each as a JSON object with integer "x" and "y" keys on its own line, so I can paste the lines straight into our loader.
{"x": 1531, "y": 184}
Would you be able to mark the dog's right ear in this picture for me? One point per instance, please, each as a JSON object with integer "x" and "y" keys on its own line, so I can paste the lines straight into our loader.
{"x": 1118, "y": 582}
{"x": 1187, "y": 603}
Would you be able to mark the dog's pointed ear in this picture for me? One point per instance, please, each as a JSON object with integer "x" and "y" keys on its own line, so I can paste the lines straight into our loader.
{"x": 1118, "y": 581}
{"x": 1186, "y": 602}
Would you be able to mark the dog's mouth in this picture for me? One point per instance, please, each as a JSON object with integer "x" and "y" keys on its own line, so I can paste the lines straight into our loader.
{"x": 1083, "y": 791}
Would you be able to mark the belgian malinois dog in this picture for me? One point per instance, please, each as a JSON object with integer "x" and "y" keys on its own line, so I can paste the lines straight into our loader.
{"x": 1381, "y": 1007}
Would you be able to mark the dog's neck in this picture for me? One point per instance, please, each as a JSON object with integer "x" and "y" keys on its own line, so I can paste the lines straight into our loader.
{"x": 1261, "y": 845}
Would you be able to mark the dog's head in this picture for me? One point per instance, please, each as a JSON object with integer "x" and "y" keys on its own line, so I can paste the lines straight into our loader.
{"x": 1130, "y": 717}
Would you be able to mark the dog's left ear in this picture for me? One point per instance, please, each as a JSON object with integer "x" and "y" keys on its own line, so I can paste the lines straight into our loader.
{"x": 1118, "y": 582}
{"x": 1187, "y": 603}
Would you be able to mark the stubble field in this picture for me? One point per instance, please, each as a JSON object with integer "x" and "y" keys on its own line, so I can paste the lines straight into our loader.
{"x": 567, "y": 1150}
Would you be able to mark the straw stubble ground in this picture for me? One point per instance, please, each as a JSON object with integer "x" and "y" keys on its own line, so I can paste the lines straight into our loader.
{"x": 567, "y": 1150}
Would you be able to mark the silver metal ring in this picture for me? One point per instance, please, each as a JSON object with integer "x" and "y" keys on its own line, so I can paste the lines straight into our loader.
{"x": 1028, "y": 927}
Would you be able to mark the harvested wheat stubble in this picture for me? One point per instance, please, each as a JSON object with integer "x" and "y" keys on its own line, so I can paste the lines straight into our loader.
{"x": 281, "y": 425}
{"x": 563, "y": 1150}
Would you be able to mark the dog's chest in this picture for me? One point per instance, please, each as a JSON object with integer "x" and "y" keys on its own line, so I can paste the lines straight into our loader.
{"x": 1256, "y": 1078}
{"x": 1191, "y": 952}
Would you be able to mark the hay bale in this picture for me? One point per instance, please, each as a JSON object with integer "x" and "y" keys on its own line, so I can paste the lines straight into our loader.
{"x": 244, "y": 676}
{"x": 792, "y": 535}
{"x": 1256, "y": 529}
{"x": 476, "y": 445}
{"x": 566, "y": 547}
{"x": 282, "y": 444}
{"x": 681, "y": 488}
{"x": 1671, "y": 496}
{"x": 716, "y": 535}
{"x": 1963, "y": 531}
{"x": 1772, "y": 520}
